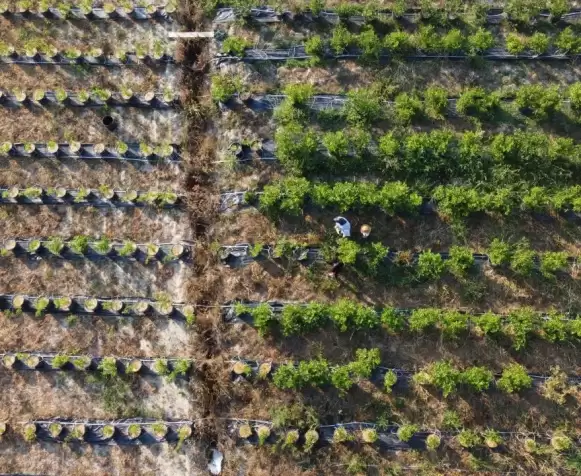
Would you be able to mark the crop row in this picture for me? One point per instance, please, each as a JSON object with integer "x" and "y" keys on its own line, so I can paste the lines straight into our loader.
{"x": 368, "y": 12}
{"x": 291, "y": 196}
{"x": 459, "y": 260}
{"x": 16, "y": 304}
{"x": 367, "y": 105}
{"x": 394, "y": 437}
{"x": 106, "y": 366}
{"x": 104, "y": 196}
{"x": 85, "y": 247}
{"x": 94, "y": 98}
{"x": 85, "y": 10}
{"x": 440, "y": 375}
{"x": 133, "y": 431}
{"x": 427, "y": 43}
{"x": 518, "y": 325}
{"x": 427, "y": 158}
{"x": 49, "y": 55}
{"x": 77, "y": 150}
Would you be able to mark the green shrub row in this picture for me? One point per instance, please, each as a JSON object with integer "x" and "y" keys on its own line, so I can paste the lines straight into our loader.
{"x": 426, "y": 40}
{"x": 440, "y": 374}
{"x": 363, "y": 105}
{"x": 434, "y": 157}
{"x": 473, "y": 13}
{"x": 519, "y": 325}
{"x": 289, "y": 196}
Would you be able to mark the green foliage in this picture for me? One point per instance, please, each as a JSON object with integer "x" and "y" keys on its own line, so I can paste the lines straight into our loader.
{"x": 488, "y": 323}
{"x": 362, "y": 107}
{"x": 341, "y": 39}
{"x": 499, "y": 252}
{"x": 460, "y": 261}
{"x": 480, "y": 41}
{"x": 451, "y": 420}
{"x": 407, "y": 108}
{"x": 389, "y": 381}
{"x": 108, "y": 367}
{"x": 553, "y": 261}
{"x": 433, "y": 442}
{"x": 538, "y": 43}
{"x": 538, "y": 100}
{"x": 341, "y": 435}
{"x": 514, "y": 379}
{"x": 341, "y": 378}
{"x": 430, "y": 265}
{"x": 224, "y": 87}
{"x": 337, "y": 143}
{"x": 298, "y": 94}
{"x": 478, "y": 378}
{"x": 235, "y": 45}
{"x": 521, "y": 324}
{"x": 477, "y": 102}
{"x": 522, "y": 261}
{"x": 347, "y": 250}
{"x": 262, "y": 316}
{"x": 444, "y": 376}
{"x": 295, "y": 146}
{"x": 296, "y": 319}
{"x": 515, "y": 44}
{"x": 397, "y": 42}
{"x": 423, "y": 319}
{"x": 406, "y": 432}
{"x": 366, "y": 361}
{"x": 574, "y": 94}
{"x": 568, "y": 42}
{"x": 311, "y": 438}
{"x": 555, "y": 328}
{"x": 436, "y": 101}
{"x": 453, "y": 323}
{"x": 453, "y": 41}
{"x": 468, "y": 439}
{"x": 312, "y": 372}
{"x": 392, "y": 320}
{"x": 369, "y": 43}
{"x": 314, "y": 46}
{"x": 284, "y": 196}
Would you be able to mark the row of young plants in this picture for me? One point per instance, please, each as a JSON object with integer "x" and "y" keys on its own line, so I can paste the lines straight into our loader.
{"x": 107, "y": 366}
{"x": 459, "y": 261}
{"x": 431, "y": 158}
{"x": 162, "y": 306}
{"x": 77, "y": 150}
{"x": 426, "y": 41}
{"x": 519, "y": 326}
{"x": 87, "y": 9}
{"x": 456, "y": 11}
{"x": 440, "y": 375}
{"x": 365, "y": 106}
{"x": 82, "y": 246}
{"x": 96, "y": 97}
{"x": 102, "y": 196}
{"x": 48, "y": 54}
{"x": 409, "y": 435}
{"x": 290, "y": 196}
{"x": 131, "y": 431}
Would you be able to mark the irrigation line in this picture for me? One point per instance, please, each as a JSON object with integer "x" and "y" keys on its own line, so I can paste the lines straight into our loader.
{"x": 95, "y": 13}
{"x": 60, "y": 59}
{"x": 298, "y": 53}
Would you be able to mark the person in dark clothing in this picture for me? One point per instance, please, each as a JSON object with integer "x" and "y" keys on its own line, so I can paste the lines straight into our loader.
{"x": 336, "y": 268}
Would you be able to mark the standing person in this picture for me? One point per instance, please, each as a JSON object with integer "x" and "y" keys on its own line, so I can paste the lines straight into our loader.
{"x": 365, "y": 231}
{"x": 342, "y": 227}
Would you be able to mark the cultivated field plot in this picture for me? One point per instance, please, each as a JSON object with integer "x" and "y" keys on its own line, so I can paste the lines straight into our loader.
{"x": 334, "y": 238}
{"x": 451, "y": 130}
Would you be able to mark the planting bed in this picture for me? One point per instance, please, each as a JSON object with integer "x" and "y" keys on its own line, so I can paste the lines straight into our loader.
{"x": 174, "y": 297}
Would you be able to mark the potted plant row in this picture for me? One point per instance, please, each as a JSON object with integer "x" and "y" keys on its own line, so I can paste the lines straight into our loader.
{"x": 86, "y": 9}
{"x": 43, "y": 304}
{"x": 95, "y": 56}
{"x": 84, "y": 195}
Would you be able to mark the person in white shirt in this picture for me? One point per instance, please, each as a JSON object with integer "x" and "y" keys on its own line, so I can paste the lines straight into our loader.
{"x": 342, "y": 227}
